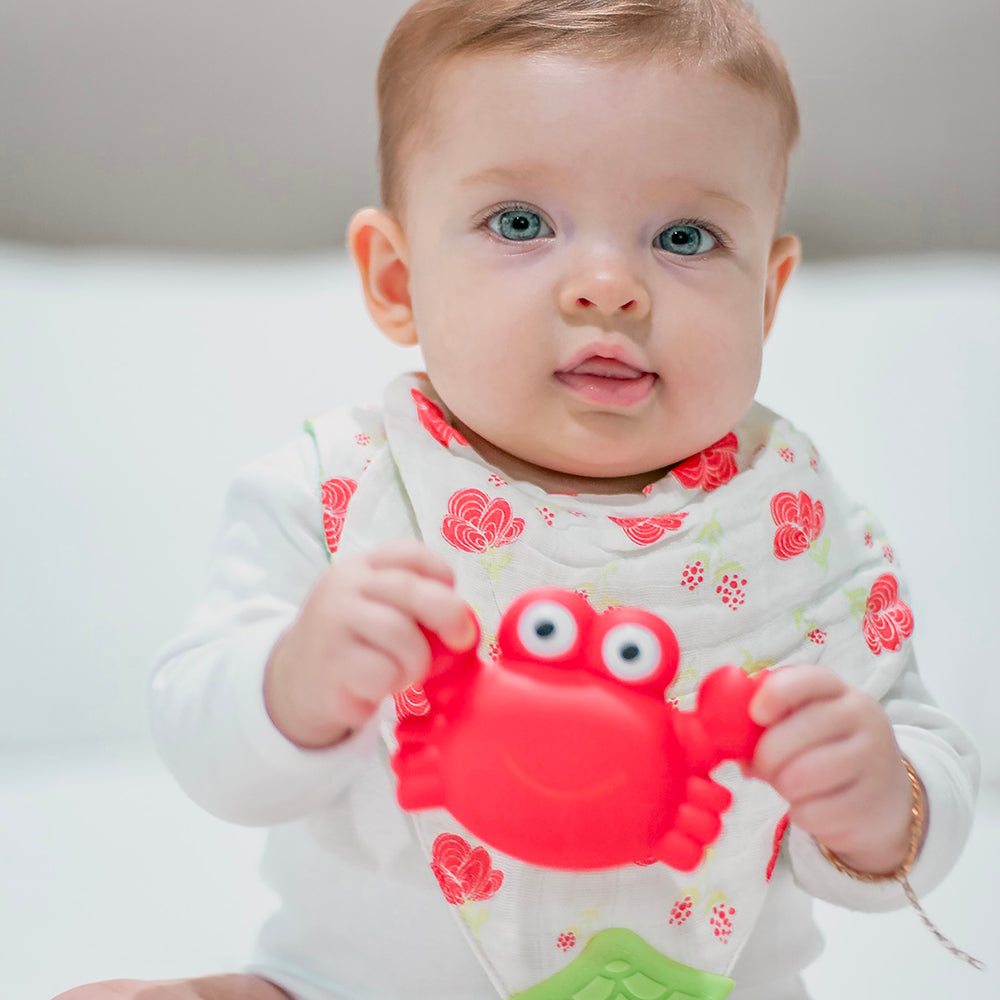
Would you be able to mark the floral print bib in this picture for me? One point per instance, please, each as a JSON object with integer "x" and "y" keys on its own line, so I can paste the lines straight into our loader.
{"x": 750, "y": 552}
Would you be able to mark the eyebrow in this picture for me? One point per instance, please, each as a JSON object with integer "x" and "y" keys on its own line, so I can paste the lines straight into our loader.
{"x": 504, "y": 175}
{"x": 510, "y": 175}
{"x": 732, "y": 202}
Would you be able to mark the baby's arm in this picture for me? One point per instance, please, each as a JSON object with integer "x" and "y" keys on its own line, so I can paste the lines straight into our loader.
{"x": 835, "y": 754}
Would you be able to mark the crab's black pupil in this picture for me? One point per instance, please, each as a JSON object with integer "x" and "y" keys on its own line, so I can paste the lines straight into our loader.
{"x": 630, "y": 652}
{"x": 544, "y": 629}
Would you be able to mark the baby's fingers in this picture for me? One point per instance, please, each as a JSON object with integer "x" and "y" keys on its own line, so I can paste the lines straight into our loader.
{"x": 790, "y": 689}
{"x": 816, "y": 723}
{"x": 424, "y": 601}
{"x": 414, "y": 556}
{"x": 815, "y": 772}
{"x": 397, "y": 653}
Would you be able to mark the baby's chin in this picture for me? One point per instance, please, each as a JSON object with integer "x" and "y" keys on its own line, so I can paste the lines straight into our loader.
{"x": 569, "y": 475}
{"x": 609, "y": 465}
{"x": 579, "y": 467}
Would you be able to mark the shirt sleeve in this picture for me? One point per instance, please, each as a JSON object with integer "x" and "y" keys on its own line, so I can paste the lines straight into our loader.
{"x": 947, "y": 764}
{"x": 208, "y": 714}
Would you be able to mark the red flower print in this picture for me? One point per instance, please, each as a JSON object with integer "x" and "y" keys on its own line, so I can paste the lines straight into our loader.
{"x": 430, "y": 415}
{"x": 465, "y": 873}
{"x": 710, "y": 468}
{"x": 800, "y": 522}
{"x": 337, "y": 495}
{"x": 411, "y": 703}
{"x": 779, "y": 836}
{"x": 646, "y": 530}
{"x": 475, "y": 522}
{"x": 888, "y": 621}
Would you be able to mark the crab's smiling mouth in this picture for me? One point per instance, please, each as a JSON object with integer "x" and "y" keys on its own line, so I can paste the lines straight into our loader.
{"x": 599, "y": 790}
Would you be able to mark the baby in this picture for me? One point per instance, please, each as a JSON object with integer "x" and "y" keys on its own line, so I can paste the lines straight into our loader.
{"x": 579, "y": 229}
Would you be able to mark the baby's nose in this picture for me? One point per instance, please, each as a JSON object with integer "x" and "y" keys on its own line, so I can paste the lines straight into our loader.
{"x": 605, "y": 288}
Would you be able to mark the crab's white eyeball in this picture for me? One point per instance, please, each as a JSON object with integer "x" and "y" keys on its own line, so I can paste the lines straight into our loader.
{"x": 631, "y": 652}
{"x": 546, "y": 629}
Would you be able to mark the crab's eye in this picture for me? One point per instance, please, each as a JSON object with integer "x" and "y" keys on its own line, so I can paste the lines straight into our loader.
{"x": 546, "y": 629}
{"x": 631, "y": 652}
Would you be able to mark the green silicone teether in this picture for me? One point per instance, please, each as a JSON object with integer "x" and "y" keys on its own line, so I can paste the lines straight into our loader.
{"x": 618, "y": 965}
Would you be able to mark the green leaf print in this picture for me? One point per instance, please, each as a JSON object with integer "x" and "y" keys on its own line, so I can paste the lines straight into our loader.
{"x": 495, "y": 561}
{"x": 711, "y": 534}
{"x": 819, "y": 551}
{"x": 859, "y": 601}
{"x": 729, "y": 567}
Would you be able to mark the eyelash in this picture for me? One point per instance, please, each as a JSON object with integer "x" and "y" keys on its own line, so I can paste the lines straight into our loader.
{"x": 720, "y": 238}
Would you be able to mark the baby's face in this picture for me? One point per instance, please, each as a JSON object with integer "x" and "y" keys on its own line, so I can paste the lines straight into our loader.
{"x": 588, "y": 249}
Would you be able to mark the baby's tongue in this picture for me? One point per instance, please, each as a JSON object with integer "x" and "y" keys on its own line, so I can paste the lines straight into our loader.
{"x": 605, "y": 368}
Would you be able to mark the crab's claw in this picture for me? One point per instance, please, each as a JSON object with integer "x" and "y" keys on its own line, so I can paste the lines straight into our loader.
{"x": 449, "y": 669}
{"x": 417, "y": 759}
{"x": 723, "y": 712}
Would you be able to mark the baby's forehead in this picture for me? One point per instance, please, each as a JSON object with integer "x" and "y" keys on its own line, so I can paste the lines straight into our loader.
{"x": 544, "y": 91}
{"x": 553, "y": 79}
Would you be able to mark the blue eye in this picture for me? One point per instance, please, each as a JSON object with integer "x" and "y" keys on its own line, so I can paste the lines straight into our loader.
{"x": 519, "y": 224}
{"x": 686, "y": 240}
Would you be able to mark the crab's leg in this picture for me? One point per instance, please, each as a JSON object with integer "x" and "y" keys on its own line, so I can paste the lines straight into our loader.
{"x": 418, "y": 770}
{"x": 697, "y": 823}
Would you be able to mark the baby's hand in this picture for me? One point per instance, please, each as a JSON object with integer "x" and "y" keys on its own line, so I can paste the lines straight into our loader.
{"x": 829, "y": 750}
{"x": 358, "y": 639}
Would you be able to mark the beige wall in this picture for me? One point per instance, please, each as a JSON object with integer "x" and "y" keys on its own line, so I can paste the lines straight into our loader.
{"x": 249, "y": 125}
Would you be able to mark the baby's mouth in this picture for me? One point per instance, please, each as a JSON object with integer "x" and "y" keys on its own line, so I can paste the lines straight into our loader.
{"x": 605, "y": 368}
{"x": 607, "y": 381}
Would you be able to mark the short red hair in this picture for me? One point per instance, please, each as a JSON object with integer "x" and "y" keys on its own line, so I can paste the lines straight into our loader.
{"x": 719, "y": 34}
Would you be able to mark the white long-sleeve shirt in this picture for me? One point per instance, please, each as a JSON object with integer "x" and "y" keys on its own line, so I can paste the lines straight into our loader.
{"x": 361, "y": 914}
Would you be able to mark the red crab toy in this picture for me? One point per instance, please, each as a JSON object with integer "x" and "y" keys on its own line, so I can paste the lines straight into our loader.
{"x": 564, "y": 752}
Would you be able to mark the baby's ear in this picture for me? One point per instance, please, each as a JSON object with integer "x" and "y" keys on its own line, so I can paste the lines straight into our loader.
{"x": 786, "y": 251}
{"x": 378, "y": 246}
